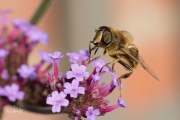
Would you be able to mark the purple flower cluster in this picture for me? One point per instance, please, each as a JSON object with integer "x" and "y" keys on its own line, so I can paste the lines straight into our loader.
{"x": 78, "y": 92}
{"x": 12, "y": 92}
{"x": 18, "y": 80}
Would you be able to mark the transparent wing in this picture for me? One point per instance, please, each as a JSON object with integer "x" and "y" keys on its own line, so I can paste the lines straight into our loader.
{"x": 128, "y": 34}
{"x": 141, "y": 62}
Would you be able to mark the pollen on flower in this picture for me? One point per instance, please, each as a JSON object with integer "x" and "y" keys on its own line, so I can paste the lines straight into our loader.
{"x": 86, "y": 96}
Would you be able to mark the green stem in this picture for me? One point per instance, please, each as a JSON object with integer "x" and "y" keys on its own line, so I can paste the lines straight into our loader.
{"x": 40, "y": 11}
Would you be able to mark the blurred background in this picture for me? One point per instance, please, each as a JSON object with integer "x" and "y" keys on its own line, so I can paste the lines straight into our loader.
{"x": 155, "y": 27}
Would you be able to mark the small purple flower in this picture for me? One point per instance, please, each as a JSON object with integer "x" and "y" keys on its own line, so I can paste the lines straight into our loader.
{"x": 3, "y": 53}
{"x": 4, "y": 74}
{"x": 26, "y": 71}
{"x": 34, "y": 34}
{"x": 37, "y": 35}
{"x": 57, "y": 100}
{"x": 77, "y": 57}
{"x": 96, "y": 77}
{"x": 56, "y": 55}
{"x": 22, "y": 24}
{"x": 78, "y": 112}
{"x": 78, "y": 72}
{"x": 73, "y": 89}
{"x": 56, "y": 58}
{"x": 74, "y": 57}
{"x": 91, "y": 113}
{"x": 98, "y": 64}
{"x": 84, "y": 54}
{"x": 121, "y": 103}
{"x": 17, "y": 22}
{"x": 13, "y": 93}
{"x": 44, "y": 56}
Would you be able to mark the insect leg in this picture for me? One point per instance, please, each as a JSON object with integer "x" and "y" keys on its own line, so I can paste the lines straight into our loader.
{"x": 95, "y": 51}
{"x": 113, "y": 62}
{"x": 94, "y": 59}
{"x": 95, "y": 54}
{"x": 127, "y": 67}
{"x": 113, "y": 66}
{"x": 125, "y": 75}
{"x": 90, "y": 49}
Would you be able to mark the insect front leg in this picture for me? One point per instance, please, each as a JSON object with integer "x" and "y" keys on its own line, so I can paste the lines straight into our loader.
{"x": 95, "y": 57}
{"x": 90, "y": 49}
{"x": 95, "y": 51}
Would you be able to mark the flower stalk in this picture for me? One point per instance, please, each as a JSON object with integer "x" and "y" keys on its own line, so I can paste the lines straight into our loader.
{"x": 40, "y": 11}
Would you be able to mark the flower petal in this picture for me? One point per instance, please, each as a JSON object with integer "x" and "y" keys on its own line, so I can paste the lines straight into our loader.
{"x": 81, "y": 90}
{"x": 14, "y": 87}
{"x": 82, "y": 68}
{"x": 75, "y": 83}
{"x": 56, "y": 108}
{"x": 90, "y": 109}
{"x": 67, "y": 85}
{"x": 62, "y": 95}
{"x": 67, "y": 91}
{"x": 73, "y": 94}
{"x": 91, "y": 117}
{"x": 79, "y": 78}
{"x": 50, "y": 101}
{"x": 86, "y": 74}
{"x": 55, "y": 94}
{"x": 69, "y": 74}
{"x": 75, "y": 67}
{"x": 96, "y": 112}
{"x": 64, "y": 102}
{"x": 20, "y": 95}
{"x": 12, "y": 98}
{"x": 121, "y": 103}
{"x": 57, "y": 54}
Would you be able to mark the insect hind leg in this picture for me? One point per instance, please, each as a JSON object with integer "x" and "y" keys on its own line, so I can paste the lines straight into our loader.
{"x": 128, "y": 68}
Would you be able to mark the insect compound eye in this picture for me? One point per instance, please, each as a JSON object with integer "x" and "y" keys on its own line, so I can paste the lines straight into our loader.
{"x": 106, "y": 37}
